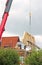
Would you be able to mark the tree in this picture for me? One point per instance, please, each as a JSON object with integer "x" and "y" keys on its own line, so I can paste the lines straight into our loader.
{"x": 35, "y": 58}
{"x": 9, "y": 57}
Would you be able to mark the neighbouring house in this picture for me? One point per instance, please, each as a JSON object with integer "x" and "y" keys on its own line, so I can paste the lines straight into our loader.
{"x": 9, "y": 41}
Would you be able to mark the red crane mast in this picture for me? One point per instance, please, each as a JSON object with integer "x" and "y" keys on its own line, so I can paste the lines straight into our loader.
{"x": 4, "y": 17}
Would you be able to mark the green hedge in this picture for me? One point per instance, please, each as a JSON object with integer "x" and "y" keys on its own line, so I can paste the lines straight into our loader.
{"x": 9, "y": 57}
{"x": 35, "y": 58}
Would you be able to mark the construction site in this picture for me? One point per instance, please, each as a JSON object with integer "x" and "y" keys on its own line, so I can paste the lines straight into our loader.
{"x": 23, "y": 46}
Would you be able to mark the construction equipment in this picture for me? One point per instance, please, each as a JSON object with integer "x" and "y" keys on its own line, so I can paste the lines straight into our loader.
{"x": 4, "y": 17}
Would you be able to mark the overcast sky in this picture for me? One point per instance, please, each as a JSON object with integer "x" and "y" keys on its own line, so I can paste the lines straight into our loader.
{"x": 18, "y": 20}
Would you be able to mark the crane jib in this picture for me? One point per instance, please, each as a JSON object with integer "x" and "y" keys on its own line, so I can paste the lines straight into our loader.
{"x": 5, "y": 16}
{"x": 7, "y": 8}
{"x": 8, "y": 5}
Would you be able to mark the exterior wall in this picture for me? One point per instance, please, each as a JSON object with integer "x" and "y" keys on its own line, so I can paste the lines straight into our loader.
{"x": 9, "y": 41}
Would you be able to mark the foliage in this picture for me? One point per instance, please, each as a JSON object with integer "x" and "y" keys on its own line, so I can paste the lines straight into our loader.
{"x": 35, "y": 58}
{"x": 9, "y": 57}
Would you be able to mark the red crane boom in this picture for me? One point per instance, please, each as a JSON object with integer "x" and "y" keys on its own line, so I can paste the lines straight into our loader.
{"x": 5, "y": 16}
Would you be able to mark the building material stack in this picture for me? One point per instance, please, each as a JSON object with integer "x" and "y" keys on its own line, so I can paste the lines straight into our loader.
{"x": 29, "y": 40}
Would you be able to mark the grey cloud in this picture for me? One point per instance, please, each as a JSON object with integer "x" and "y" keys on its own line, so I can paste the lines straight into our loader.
{"x": 18, "y": 23}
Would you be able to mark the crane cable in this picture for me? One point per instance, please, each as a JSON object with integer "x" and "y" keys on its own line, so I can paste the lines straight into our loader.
{"x": 30, "y": 15}
{"x": 30, "y": 12}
